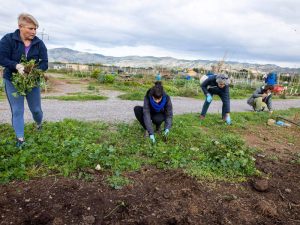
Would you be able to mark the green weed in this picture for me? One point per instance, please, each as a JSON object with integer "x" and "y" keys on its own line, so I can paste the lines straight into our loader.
{"x": 78, "y": 97}
{"x": 117, "y": 181}
{"x": 106, "y": 78}
{"x": 132, "y": 96}
{"x": 205, "y": 149}
{"x": 296, "y": 160}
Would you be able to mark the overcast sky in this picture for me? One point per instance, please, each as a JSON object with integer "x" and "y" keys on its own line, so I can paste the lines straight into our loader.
{"x": 262, "y": 31}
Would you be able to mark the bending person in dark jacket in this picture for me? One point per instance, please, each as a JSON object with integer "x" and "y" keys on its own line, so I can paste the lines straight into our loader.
{"x": 12, "y": 47}
{"x": 262, "y": 98}
{"x": 217, "y": 85}
{"x": 157, "y": 109}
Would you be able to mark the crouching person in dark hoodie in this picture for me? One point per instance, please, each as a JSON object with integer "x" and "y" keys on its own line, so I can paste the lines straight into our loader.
{"x": 157, "y": 109}
{"x": 261, "y": 99}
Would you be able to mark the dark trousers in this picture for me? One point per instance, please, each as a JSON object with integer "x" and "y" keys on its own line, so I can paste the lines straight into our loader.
{"x": 206, "y": 104}
{"x": 157, "y": 118}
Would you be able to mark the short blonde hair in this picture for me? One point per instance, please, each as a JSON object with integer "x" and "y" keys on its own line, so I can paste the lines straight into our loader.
{"x": 27, "y": 18}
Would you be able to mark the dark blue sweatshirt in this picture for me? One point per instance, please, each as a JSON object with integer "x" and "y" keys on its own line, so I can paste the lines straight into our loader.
{"x": 12, "y": 48}
{"x": 211, "y": 86}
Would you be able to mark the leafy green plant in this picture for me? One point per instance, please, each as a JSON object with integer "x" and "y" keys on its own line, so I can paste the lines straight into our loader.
{"x": 117, "y": 181}
{"x": 96, "y": 73}
{"x": 91, "y": 87}
{"x": 230, "y": 153}
{"x": 107, "y": 78}
{"x": 32, "y": 77}
{"x": 272, "y": 157}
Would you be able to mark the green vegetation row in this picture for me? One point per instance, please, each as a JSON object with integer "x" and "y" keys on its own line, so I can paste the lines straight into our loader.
{"x": 78, "y": 97}
{"x": 135, "y": 86}
{"x": 206, "y": 149}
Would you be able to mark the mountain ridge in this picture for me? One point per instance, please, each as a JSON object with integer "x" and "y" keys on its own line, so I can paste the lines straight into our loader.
{"x": 73, "y": 56}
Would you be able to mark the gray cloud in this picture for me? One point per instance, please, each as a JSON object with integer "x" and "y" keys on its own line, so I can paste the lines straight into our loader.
{"x": 266, "y": 30}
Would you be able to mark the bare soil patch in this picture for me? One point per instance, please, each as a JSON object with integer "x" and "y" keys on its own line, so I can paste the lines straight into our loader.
{"x": 58, "y": 85}
{"x": 168, "y": 197}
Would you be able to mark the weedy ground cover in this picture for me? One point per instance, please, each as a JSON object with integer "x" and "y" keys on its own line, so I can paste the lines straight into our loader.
{"x": 78, "y": 97}
{"x": 206, "y": 149}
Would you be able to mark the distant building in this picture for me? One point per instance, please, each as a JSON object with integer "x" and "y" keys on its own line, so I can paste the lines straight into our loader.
{"x": 77, "y": 67}
{"x": 57, "y": 66}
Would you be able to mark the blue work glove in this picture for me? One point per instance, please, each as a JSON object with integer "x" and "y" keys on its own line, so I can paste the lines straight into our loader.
{"x": 152, "y": 138}
{"x": 166, "y": 132}
{"x": 280, "y": 123}
{"x": 228, "y": 120}
{"x": 208, "y": 98}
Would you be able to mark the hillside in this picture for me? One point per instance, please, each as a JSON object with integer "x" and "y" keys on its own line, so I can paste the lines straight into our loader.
{"x": 72, "y": 56}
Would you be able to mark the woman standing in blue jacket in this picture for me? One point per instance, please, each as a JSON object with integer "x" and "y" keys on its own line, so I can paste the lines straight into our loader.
{"x": 217, "y": 85}
{"x": 12, "y": 47}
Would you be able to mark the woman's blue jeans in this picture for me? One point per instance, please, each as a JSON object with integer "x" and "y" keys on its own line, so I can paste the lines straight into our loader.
{"x": 17, "y": 106}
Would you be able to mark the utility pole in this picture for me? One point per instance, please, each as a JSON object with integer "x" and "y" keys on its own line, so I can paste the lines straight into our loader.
{"x": 43, "y": 34}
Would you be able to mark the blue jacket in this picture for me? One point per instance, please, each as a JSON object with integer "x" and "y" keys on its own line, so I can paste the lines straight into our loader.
{"x": 211, "y": 86}
{"x": 271, "y": 79}
{"x": 148, "y": 111}
{"x": 12, "y": 48}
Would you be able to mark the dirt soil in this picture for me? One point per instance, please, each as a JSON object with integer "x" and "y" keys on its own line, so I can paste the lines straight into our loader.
{"x": 59, "y": 86}
{"x": 168, "y": 197}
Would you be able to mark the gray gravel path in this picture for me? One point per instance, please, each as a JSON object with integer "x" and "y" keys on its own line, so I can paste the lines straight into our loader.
{"x": 116, "y": 110}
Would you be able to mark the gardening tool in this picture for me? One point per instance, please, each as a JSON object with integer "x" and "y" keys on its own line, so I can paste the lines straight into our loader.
{"x": 272, "y": 122}
{"x": 290, "y": 121}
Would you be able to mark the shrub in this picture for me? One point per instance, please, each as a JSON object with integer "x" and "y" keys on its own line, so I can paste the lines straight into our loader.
{"x": 95, "y": 73}
{"x": 91, "y": 87}
{"x": 106, "y": 78}
{"x": 170, "y": 89}
{"x": 178, "y": 82}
